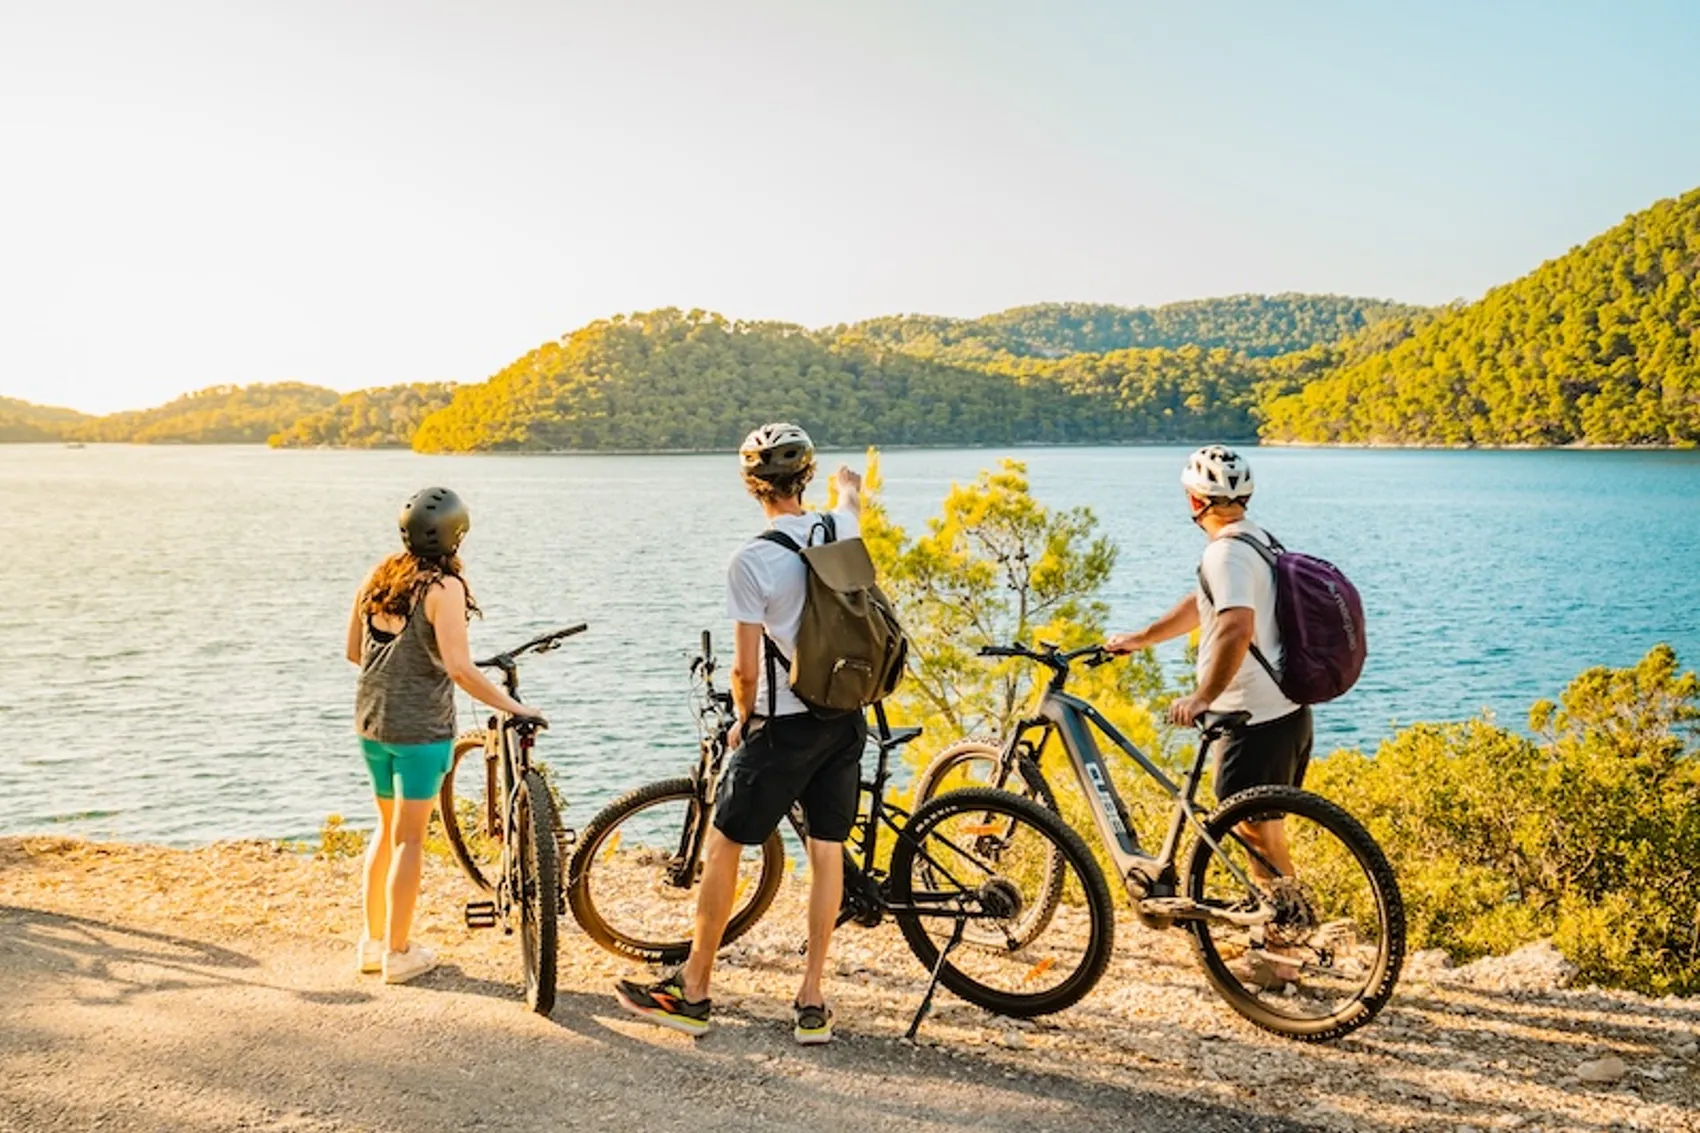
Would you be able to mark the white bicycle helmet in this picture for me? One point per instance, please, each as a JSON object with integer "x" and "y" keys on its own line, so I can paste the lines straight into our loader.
{"x": 775, "y": 451}
{"x": 1217, "y": 474}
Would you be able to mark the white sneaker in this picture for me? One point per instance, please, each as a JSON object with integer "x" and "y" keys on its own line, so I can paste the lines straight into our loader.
{"x": 369, "y": 956}
{"x": 399, "y": 967}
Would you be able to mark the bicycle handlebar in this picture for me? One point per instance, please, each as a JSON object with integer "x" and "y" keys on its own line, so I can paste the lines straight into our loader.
{"x": 541, "y": 644}
{"x": 1048, "y": 654}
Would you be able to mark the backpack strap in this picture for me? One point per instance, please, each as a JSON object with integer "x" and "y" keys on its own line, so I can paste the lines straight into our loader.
{"x": 771, "y": 656}
{"x": 1268, "y": 553}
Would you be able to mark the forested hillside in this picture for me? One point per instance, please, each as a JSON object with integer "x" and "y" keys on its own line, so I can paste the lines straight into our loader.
{"x": 1599, "y": 346}
{"x": 1258, "y": 325}
{"x": 368, "y": 418}
{"x": 22, "y": 421}
{"x": 674, "y": 380}
{"x": 217, "y": 415}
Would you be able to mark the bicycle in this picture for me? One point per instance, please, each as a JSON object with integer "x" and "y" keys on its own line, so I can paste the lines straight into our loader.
{"x": 503, "y": 829}
{"x": 630, "y": 880}
{"x": 1311, "y": 955}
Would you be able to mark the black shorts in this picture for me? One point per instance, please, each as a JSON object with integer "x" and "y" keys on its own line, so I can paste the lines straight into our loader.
{"x": 1275, "y": 751}
{"x": 793, "y": 759}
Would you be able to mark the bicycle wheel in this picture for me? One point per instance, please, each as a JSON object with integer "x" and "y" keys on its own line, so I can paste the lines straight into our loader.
{"x": 631, "y": 887}
{"x": 978, "y": 763}
{"x": 463, "y": 807}
{"x": 1328, "y": 960}
{"x": 537, "y": 889}
{"x": 988, "y": 855}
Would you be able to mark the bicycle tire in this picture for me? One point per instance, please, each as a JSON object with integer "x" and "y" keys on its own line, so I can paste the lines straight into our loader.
{"x": 581, "y": 896}
{"x": 458, "y": 842}
{"x": 1027, "y": 772}
{"x": 539, "y": 892}
{"x": 1384, "y": 977}
{"x": 1100, "y": 909}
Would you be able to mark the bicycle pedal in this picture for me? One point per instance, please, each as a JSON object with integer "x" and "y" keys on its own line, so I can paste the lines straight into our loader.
{"x": 481, "y": 914}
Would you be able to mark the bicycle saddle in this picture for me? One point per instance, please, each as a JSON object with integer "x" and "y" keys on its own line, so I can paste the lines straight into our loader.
{"x": 900, "y": 736}
{"x": 1214, "y": 723}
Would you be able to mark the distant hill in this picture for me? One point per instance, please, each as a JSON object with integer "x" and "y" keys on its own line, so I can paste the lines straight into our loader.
{"x": 1260, "y": 326}
{"x": 217, "y": 415}
{"x": 1060, "y": 372}
{"x": 675, "y": 380}
{"x": 22, "y": 421}
{"x": 368, "y": 418}
{"x": 1599, "y": 346}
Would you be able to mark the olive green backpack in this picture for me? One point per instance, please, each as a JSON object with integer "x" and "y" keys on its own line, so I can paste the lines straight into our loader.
{"x": 851, "y": 648}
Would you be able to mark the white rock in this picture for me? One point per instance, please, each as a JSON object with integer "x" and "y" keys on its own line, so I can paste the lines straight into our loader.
{"x": 1014, "y": 1040}
{"x": 1533, "y": 967}
{"x": 1603, "y": 1070}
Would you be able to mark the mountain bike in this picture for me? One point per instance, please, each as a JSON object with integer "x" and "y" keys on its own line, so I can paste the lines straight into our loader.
{"x": 960, "y": 876}
{"x": 1310, "y": 953}
{"x": 500, "y": 820}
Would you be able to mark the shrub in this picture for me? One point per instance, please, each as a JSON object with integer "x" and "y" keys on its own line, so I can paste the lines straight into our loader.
{"x": 1588, "y": 831}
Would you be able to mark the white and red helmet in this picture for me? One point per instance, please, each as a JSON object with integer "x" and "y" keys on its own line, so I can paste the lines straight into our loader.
{"x": 1218, "y": 474}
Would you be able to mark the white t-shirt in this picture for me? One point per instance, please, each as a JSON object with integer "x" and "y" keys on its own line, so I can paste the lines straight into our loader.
{"x": 766, "y": 584}
{"x": 1240, "y": 578}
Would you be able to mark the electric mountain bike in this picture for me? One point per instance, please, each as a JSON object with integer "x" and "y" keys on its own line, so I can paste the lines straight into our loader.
{"x": 500, "y": 820}
{"x": 961, "y": 876}
{"x": 1310, "y": 949}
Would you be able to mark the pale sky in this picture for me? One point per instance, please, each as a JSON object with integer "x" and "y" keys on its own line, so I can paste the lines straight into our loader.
{"x": 355, "y": 193}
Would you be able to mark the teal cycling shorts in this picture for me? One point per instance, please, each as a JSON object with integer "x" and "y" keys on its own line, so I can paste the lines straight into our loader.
{"x": 419, "y": 768}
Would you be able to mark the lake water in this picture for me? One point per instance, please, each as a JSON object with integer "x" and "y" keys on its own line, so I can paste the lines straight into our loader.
{"x": 171, "y": 619}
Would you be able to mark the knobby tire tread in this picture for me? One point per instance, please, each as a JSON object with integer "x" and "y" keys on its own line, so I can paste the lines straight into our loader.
{"x": 583, "y": 905}
{"x": 1101, "y": 911}
{"x": 1389, "y": 902}
{"x": 540, "y": 806}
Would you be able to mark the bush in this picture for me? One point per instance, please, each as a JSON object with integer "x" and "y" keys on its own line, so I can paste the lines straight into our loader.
{"x": 1589, "y": 832}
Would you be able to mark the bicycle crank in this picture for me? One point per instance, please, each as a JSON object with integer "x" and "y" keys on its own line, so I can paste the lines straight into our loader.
{"x": 1186, "y": 909}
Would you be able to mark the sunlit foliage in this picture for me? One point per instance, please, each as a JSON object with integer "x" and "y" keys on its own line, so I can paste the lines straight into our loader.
{"x": 1600, "y": 346}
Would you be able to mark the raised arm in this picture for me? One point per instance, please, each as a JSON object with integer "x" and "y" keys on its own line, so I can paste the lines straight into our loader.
{"x": 849, "y": 490}
{"x": 445, "y": 608}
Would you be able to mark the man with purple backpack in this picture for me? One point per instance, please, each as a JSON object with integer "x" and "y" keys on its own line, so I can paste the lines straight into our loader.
{"x": 1278, "y": 632}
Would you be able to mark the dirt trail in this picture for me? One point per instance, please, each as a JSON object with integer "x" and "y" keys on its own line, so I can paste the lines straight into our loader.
{"x": 147, "y": 989}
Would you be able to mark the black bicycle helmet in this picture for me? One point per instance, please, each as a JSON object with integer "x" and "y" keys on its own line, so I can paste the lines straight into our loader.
{"x": 776, "y": 451}
{"x": 433, "y": 523}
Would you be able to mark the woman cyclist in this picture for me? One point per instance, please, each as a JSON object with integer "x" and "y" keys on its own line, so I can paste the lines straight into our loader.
{"x": 408, "y": 635}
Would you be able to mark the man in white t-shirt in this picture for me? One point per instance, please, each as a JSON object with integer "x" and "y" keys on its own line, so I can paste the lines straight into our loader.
{"x": 1233, "y": 610}
{"x": 781, "y": 752}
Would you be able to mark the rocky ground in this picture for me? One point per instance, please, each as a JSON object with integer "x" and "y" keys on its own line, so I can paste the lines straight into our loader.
{"x": 150, "y": 989}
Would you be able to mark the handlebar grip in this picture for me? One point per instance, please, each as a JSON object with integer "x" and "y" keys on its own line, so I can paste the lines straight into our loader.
{"x": 707, "y": 645}
{"x": 996, "y": 651}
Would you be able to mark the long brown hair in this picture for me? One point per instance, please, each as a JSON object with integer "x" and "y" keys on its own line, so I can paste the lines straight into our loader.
{"x": 401, "y": 581}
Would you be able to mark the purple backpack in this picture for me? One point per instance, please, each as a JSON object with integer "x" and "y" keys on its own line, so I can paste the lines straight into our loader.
{"x": 1321, "y": 619}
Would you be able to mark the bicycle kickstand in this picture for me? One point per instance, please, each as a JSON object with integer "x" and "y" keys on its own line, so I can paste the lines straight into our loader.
{"x": 933, "y": 984}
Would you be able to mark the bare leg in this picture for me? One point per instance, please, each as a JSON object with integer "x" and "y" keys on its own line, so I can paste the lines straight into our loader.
{"x": 407, "y": 859}
{"x": 826, "y": 894}
{"x": 714, "y": 908}
{"x": 377, "y": 871}
{"x": 1269, "y": 839}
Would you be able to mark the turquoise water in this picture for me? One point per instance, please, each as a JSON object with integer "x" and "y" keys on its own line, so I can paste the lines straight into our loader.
{"x": 171, "y": 619}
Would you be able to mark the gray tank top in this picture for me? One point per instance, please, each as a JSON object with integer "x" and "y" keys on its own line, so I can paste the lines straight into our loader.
{"x": 404, "y": 695}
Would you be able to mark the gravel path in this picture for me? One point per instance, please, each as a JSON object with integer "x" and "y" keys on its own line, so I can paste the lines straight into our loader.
{"x": 150, "y": 989}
